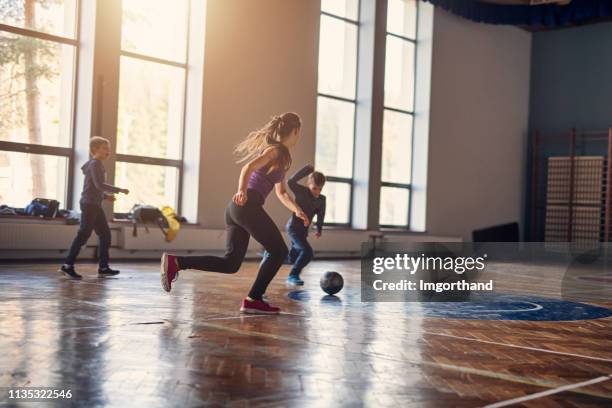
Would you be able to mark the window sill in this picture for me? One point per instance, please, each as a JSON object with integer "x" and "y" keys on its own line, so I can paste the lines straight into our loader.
{"x": 340, "y": 228}
{"x": 402, "y": 230}
{"x": 28, "y": 219}
{"x": 398, "y": 230}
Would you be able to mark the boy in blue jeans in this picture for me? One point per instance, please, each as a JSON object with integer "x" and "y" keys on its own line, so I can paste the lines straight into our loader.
{"x": 95, "y": 190}
{"x": 312, "y": 202}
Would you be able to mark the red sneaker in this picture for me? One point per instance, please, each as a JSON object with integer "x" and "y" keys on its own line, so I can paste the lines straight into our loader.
{"x": 258, "y": 307}
{"x": 169, "y": 271}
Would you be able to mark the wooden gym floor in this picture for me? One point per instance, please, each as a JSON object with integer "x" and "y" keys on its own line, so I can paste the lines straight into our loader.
{"x": 124, "y": 342}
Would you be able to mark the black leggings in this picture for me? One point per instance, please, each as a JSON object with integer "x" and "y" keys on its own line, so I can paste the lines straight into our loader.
{"x": 242, "y": 223}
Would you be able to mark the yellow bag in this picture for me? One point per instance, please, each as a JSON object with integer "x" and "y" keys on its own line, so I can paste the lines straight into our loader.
{"x": 173, "y": 225}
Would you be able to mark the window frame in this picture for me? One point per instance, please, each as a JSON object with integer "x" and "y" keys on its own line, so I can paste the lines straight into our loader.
{"x": 342, "y": 180}
{"x": 405, "y": 186}
{"x": 331, "y": 178}
{"x": 158, "y": 161}
{"x": 58, "y": 151}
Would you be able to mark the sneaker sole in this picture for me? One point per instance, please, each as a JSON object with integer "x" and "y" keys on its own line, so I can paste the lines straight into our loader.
{"x": 164, "y": 273}
{"x": 68, "y": 275}
{"x": 257, "y": 311}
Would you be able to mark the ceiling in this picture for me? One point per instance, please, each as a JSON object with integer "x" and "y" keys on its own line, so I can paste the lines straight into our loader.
{"x": 523, "y": 2}
{"x": 532, "y": 15}
{"x": 529, "y": 2}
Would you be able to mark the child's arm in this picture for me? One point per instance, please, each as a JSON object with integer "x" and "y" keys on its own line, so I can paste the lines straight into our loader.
{"x": 96, "y": 172}
{"x": 289, "y": 202}
{"x": 300, "y": 174}
{"x": 240, "y": 198}
{"x": 321, "y": 216}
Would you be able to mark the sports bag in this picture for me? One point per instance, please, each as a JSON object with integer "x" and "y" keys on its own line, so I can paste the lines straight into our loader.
{"x": 173, "y": 224}
{"x": 43, "y": 207}
{"x": 147, "y": 214}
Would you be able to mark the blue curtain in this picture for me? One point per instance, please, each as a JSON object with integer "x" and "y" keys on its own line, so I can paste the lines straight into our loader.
{"x": 548, "y": 15}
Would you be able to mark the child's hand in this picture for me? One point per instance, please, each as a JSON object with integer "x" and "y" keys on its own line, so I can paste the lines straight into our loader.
{"x": 317, "y": 234}
{"x": 124, "y": 191}
{"x": 240, "y": 198}
{"x": 300, "y": 214}
{"x": 110, "y": 198}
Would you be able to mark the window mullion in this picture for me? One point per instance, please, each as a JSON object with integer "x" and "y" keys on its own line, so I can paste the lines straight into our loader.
{"x": 38, "y": 34}
{"x": 344, "y": 19}
{"x": 153, "y": 59}
{"x": 35, "y": 149}
{"x": 156, "y": 161}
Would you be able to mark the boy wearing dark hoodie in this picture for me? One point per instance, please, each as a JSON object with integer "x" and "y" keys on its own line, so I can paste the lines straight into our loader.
{"x": 95, "y": 190}
{"x": 312, "y": 202}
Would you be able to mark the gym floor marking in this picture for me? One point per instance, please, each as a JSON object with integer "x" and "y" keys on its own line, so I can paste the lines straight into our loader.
{"x": 481, "y": 306}
{"x": 510, "y": 378}
{"x": 607, "y": 360}
{"x": 541, "y": 394}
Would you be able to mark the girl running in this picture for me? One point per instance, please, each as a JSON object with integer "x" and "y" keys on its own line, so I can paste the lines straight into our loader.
{"x": 266, "y": 152}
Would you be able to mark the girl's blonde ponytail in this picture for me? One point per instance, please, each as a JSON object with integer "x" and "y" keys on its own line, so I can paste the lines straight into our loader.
{"x": 271, "y": 135}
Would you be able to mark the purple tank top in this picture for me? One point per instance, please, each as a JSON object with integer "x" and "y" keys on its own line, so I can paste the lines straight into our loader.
{"x": 264, "y": 183}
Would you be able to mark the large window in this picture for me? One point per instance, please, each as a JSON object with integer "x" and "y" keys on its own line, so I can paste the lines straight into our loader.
{"x": 38, "y": 47}
{"x": 151, "y": 104}
{"x": 398, "y": 113}
{"x": 40, "y": 150}
{"x": 336, "y": 102}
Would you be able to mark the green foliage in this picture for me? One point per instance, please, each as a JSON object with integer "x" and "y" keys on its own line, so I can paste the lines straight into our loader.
{"x": 14, "y": 10}
{"x": 22, "y": 57}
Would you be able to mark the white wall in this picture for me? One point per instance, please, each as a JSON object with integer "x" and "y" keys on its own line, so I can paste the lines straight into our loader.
{"x": 478, "y": 128}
